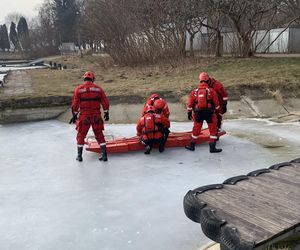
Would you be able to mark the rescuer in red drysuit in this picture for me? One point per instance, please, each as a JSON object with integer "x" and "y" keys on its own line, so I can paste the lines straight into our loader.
{"x": 150, "y": 102}
{"x": 222, "y": 97}
{"x": 86, "y": 103}
{"x": 202, "y": 106}
{"x": 149, "y": 128}
{"x": 159, "y": 106}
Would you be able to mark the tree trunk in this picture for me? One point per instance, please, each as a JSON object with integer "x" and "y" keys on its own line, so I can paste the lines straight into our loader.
{"x": 192, "y": 36}
{"x": 183, "y": 42}
{"x": 246, "y": 47}
{"x": 218, "y": 44}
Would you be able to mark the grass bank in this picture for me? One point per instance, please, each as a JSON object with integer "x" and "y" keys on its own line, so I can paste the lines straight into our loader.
{"x": 174, "y": 80}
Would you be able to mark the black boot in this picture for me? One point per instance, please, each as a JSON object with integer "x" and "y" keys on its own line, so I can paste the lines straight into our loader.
{"x": 147, "y": 149}
{"x": 213, "y": 149}
{"x": 191, "y": 146}
{"x": 103, "y": 156}
{"x": 79, "y": 155}
{"x": 161, "y": 147}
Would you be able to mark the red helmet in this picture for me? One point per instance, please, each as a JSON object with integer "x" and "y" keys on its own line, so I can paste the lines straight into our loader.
{"x": 154, "y": 97}
{"x": 203, "y": 77}
{"x": 150, "y": 109}
{"x": 159, "y": 104}
{"x": 89, "y": 75}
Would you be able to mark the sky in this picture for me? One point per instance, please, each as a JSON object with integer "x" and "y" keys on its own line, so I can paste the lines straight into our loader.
{"x": 28, "y": 8}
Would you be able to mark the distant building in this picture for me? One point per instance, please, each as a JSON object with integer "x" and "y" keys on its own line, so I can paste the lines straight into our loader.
{"x": 287, "y": 42}
{"x": 67, "y": 48}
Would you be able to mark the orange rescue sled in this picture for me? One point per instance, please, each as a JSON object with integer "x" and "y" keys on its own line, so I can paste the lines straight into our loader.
{"x": 122, "y": 145}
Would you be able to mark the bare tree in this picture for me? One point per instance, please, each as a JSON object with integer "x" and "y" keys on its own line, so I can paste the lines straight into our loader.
{"x": 287, "y": 26}
{"x": 13, "y": 17}
{"x": 291, "y": 8}
{"x": 134, "y": 31}
{"x": 65, "y": 19}
{"x": 212, "y": 11}
{"x": 13, "y": 36}
{"x": 246, "y": 17}
{"x": 43, "y": 33}
{"x": 137, "y": 30}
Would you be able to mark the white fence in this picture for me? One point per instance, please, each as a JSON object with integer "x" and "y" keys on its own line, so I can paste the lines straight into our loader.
{"x": 287, "y": 42}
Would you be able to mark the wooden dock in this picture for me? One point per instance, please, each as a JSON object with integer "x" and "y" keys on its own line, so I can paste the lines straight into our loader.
{"x": 249, "y": 211}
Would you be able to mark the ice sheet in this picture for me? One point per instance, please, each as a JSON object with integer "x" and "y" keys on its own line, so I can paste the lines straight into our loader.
{"x": 133, "y": 201}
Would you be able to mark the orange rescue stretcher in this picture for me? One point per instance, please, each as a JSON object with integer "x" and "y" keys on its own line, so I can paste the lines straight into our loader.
{"x": 122, "y": 145}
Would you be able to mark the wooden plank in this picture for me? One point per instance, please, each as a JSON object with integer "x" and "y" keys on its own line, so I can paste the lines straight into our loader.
{"x": 262, "y": 208}
{"x": 271, "y": 183}
{"x": 247, "y": 230}
{"x": 261, "y": 187}
{"x": 264, "y": 201}
{"x": 291, "y": 206}
{"x": 265, "y": 207}
{"x": 274, "y": 180}
{"x": 216, "y": 202}
{"x": 286, "y": 172}
{"x": 293, "y": 169}
{"x": 289, "y": 177}
{"x": 283, "y": 179}
{"x": 256, "y": 209}
{"x": 270, "y": 229}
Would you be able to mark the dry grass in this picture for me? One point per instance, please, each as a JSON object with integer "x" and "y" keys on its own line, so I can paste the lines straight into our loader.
{"x": 276, "y": 95}
{"x": 13, "y": 56}
{"x": 175, "y": 80}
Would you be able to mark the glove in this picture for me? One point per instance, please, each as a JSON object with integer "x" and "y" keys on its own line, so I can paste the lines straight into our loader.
{"x": 106, "y": 116}
{"x": 224, "y": 108}
{"x": 190, "y": 115}
{"x": 73, "y": 119}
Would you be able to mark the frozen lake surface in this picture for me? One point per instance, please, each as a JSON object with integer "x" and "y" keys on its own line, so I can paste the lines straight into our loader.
{"x": 133, "y": 201}
{"x": 19, "y": 67}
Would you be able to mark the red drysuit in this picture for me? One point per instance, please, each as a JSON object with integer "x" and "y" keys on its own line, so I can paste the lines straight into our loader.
{"x": 87, "y": 100}
{"x": 222, "y": 97}
{"x": 203, "y": 101}
{"x": 150, "y": 102}
{"x": 150, "y": 126}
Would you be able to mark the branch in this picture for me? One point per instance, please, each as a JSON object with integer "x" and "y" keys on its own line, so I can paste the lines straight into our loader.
{"x": 288, "y": 25}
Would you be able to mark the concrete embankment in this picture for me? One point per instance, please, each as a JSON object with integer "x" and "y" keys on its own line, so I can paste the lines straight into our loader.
{"x": 244, "y": 108}
{"x": 32, "y": 109}
{"x": 245, "y": 102}
{"x": 129, "y": 113}
{"x": 55, "y": 107}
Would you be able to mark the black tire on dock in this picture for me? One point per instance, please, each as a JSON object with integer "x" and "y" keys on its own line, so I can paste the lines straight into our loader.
{"x": 230, "y": 240}
{"x": 211, "y": 224}
{"x": 297, "y": 160}
{"x": 192, "y": 206}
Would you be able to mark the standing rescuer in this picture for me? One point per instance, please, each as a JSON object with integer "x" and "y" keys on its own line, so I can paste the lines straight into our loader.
{"x": 202, "y": 106}
{"x": 222, "y": 97}
{"x": 86, "y": 104}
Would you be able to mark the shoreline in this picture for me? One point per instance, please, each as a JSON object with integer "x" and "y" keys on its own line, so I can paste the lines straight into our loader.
{"x": 39, "y": 109}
